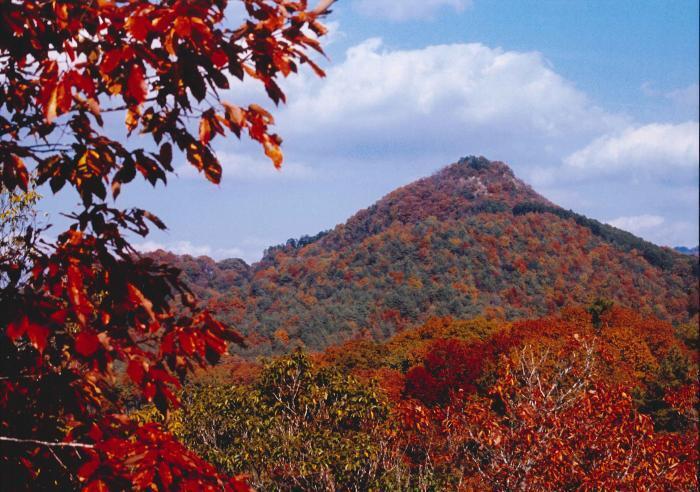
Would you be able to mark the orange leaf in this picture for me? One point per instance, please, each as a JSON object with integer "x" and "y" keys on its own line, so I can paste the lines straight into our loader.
{"x": 273, "y": 151}
{"x": 137, "y": 297}
{"x": 50, "y": 108}
{"x": 204, "y": 131}
{"x": 322, "y": 7}
{"x": 132, "y": 119}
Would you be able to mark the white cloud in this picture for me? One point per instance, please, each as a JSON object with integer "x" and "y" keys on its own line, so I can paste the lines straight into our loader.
{"x": 686, "y": 97}
{"x": 637, "y": 223}
{"x": 248, "y": 249}
{"x": 456, "y": 99}
{"x": 401, "y": 10}
{"x": 188, "y": 248}
{"x": 333, "y": 35}
{"x": 655, "y": 148}
{"x": 383, "y": 110}
{"x": 657, "y": 229}
{"x": 242, "y": 166}
{"x": 648, "y": 89}
{"x": 384, "y": 114}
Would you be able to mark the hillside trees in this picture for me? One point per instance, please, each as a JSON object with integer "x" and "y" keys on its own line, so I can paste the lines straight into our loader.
{"x": 297, "y": 426}
{"x": 562, "y": 428}
{"x": 89, "y": 306}
{"x": 550, "y": 420}
{"x": 542, "y": 404}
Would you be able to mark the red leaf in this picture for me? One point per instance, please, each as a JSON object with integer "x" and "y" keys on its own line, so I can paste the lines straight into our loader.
{"x": 20, "y": 172}
{"x": 139, "y": 26}
{"x": 136, "y": 85}
{"x": 166, "y": 477}
{"x": 16, "y": 329}
{"x": 110, "y": 60}
{"x": 136, "y": 371}
{"x": 95, "y": 433}
{"x": 86, "y": 343}
{"x": 183, "y": 27}
{"x": 149, "y": 391}
{"x": 77, "y": 295}
{"x": 97, "y": 486}
{"x": 64, "y": 95}
{"x": 219, "y": 58}
{"x": 59, "y": 316}
{"x": 38, "y": 335}
{"x": 187, "y": 342}
{"x": 86, "y": 471}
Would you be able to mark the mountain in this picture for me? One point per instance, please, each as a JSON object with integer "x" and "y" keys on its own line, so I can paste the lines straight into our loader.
{"x": 688, "y": 251}
{"x": 470, "y": 240}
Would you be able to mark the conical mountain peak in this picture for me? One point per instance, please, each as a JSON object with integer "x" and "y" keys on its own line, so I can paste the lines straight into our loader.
{"x": 469, "y": 186}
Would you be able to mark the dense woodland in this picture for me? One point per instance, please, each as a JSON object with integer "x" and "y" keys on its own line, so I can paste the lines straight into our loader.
{"x": 587, "y": 399}
{"x": 471, "y": 240}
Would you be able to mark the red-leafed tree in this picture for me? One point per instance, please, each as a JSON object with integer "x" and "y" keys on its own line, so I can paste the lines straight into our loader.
{"x": 553, "y": 424}
{"x": 450, "y": 368}
{"x": 550, "y": 421}
{"x": 88, "y": 307}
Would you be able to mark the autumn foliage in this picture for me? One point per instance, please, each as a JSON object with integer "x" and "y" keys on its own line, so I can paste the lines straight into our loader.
{"x": 76, "y": 313}
{"x": 97, "y": 341}
{"x": 471, "y": 240}
{"x": 540, "y": 404}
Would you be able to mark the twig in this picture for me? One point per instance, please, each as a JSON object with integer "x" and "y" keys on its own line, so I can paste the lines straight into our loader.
{"x": 47, "y": 443}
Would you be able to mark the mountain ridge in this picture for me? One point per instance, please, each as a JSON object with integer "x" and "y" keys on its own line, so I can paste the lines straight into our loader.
{"x": 471, "y": 239}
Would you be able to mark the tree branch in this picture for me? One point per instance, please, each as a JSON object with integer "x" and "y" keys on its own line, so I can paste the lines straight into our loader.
{"x": 47, "y": 443}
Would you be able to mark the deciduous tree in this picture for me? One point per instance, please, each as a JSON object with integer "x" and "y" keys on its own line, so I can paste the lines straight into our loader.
{"x": 91, "y": 306}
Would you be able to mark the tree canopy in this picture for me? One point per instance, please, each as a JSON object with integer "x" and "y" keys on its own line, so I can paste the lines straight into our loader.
{"x": 77, "y": 311}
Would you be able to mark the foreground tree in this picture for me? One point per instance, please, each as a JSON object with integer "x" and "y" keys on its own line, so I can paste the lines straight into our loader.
{"x": 75, "y": 313}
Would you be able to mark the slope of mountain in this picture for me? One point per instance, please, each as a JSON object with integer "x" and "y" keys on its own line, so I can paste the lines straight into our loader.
{"x": 470, "y": 240}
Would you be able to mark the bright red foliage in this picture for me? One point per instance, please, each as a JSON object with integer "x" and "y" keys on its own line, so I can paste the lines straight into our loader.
{"x": 549, "y": 423}
{"x": 88, "y": 306}
{"x": 450, "y": 368}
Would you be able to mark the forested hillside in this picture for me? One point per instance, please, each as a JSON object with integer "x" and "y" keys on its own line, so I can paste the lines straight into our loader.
{"x": 586, "y": 399}
{"x": 470, "y": 240}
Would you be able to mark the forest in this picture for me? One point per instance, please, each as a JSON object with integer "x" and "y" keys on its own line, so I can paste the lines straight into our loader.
{"x": 470, "y": 240}
{"x": 462, "y": 333}
{"x": 587, "y": 399}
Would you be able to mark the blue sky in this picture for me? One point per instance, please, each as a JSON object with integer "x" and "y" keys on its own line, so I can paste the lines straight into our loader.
{"x": 593, "y": 103}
